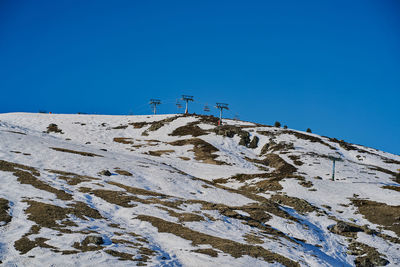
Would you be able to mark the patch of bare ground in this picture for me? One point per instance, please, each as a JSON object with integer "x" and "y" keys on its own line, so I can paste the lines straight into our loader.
{"x": 87, "y": 154}
{"x": 379, "y": 213}
{"x": 203, "y": 151}
{"x": 138, "y": 125}
{"x": 72, "y": 178}
{"x": 392, "y": 187}
{"x": 123, "y": 140}
{"x": 366, "y": 255}
{"x": 53, "y": 128}
{"x": 4, "y": 214}
{"x": 56, "y": 217}
{"x": 27, "y": 175}
{"x": 272, "y": 146}
{"x": 120, "y": 127}
{"x": 296, "y": 160}
{"x": 189, "y": 129}
{"x": 159, "y": 153}
{"x": 184, "y": 216}
{"x": 122, "y": 172}
{"x": 24, "y": 244}
{"x": 207, "y": 251}
{"x": 154, "y": 126}
{"x": 270, "y": 181}
{"x": 300, "y": 205}
{"x": 233, "y": 248}
{"x": 184, "y": 158}
{"x": 253, "y": 239}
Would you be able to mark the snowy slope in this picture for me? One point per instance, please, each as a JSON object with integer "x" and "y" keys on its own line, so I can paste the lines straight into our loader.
{"x": 174, "y": 190}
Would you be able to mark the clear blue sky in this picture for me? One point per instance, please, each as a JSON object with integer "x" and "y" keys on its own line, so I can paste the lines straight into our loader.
{"x": 333, "y": 66}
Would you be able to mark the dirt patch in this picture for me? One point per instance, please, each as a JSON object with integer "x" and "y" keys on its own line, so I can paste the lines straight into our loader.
{"x": 123, "y": 140}
{"x": 392, "y": 187}
{"x": 207, "y": 251}
{"x": 380, "y": 213}
{"x": 300, "y": 205}
{"x": 72, "y": 178}
{"x": 4, "y": 214}
{"x": 154, "y": 126}
{"x": 138, "y": 125}
{"x": 184, "y": 158}
{"x": 53, "y": 128}
{"x": 296, "y": 160}
{"x": 253, "y": 239}
{"x": 311, "y": 138}
{"x": 233, "y": 248}
{"x": 48, "y": 215}
{"x": 367, "y": 256}
{"x": 122, "y": 172}
{"x": 24, "y": 244}
{"x": 120, "y": 127}
{"x": 159, "y": 153}
{"x": 272, "y": 146}
{"x": 189, "y": 129}
{"x": 87, "y": 154}
{"x": 28, "y": 176}
{"x": 203, "y": 151}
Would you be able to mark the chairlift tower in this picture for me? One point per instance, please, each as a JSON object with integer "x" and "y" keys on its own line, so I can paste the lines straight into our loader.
{"x": 154, "y": 103}
{"x": 187, "y": 98}
{"x": 221, "y": 106}
{"x": 334, "y": 158}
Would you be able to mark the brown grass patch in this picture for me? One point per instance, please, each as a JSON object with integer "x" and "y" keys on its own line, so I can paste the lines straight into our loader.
{"x": 367, "y": 256}
{"x": 72, "y": 178}
{"x": 87, "y": 154}
{"x": 392, "y": 187}
{"x": 53, "y": 128}
{"x": 207, "y": 251}
{"x": 380, "y": 213}
{"x": 159, "y": 153}
{"x": 203, "y": 151}
{"x": 120, "y": 127}
{"x": 184, "y": 158}
{"x": 300, "y": 205}
{"x": 24, "y": 244}
{"x": 122, "y": 172}
{"x": 4, "y": 215}
{"x": 233, "y": 248}
{"x": 189, "y": 129}
{"x": 47, "y": 215}
{"x": 123, "y": 140}
{"x": 27, "y": 176}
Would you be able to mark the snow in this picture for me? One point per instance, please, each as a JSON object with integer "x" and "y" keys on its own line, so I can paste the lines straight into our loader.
{"x": 23, "y": 140}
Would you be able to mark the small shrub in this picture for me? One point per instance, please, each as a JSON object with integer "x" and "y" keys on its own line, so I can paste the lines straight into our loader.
{"x": 284, "y": 126}
{"x": 308, "y": 130}
{"x": 277, "y": 124}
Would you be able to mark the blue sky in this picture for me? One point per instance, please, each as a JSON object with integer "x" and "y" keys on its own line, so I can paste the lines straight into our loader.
{"x": 332, "y": 66}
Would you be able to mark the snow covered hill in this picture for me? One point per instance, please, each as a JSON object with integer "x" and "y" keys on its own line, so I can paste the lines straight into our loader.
{"x": 175, "y": 190}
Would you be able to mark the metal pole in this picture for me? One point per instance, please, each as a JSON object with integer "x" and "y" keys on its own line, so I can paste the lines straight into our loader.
{"x": 333, "y": 170}
{"x": 186, "y": 110}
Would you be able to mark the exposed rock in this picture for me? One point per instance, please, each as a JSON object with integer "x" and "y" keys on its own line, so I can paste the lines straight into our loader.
{"x": 105, "y": 173}
{"x": 92, "y": 239}
{"x": 254, "y": 142}
{"x": 342, "y": 227}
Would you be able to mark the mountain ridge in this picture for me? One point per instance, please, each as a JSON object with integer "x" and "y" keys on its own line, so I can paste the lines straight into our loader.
{"x": 179, "y": 190}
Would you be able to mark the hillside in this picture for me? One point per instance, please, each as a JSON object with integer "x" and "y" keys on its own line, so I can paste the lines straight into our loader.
{"x": 175, "y": 190}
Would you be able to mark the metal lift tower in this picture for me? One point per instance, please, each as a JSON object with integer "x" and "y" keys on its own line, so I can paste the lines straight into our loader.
{"x": 187, "y": 98}
{"x": 221, "y": 106}
{"x": 154, "y": 103}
